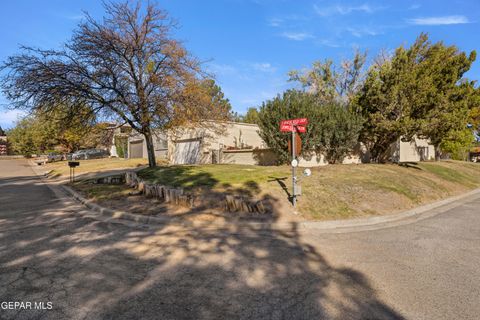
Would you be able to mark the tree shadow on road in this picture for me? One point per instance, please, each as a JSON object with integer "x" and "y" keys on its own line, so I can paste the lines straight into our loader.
{"x": 91, "y": 269}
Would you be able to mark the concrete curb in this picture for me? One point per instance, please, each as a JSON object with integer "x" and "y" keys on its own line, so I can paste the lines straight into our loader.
{"x": 333, "y": 226}
{"x": 387, "y": 221}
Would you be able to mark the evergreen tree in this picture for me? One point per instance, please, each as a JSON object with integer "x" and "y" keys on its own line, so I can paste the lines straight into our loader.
{"x": 332, "y": 129}
{"x": 251, "y": 116}
{"x": 420, "y": 91}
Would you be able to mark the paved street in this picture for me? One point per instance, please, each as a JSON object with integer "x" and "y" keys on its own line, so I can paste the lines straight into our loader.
{"x": 53, "y": 250}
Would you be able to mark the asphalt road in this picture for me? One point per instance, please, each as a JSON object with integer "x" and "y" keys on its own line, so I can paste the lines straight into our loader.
{"x": 53, "y": 251}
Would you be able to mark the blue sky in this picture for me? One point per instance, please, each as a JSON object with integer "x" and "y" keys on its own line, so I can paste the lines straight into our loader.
{"x": 252, "y": 44}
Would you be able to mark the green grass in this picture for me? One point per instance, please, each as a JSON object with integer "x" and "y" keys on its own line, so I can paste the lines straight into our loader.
{"x": 452, "y": 174}
{"x": 394, "y": 186}
{"x": 61, "y": 168}
{"x": 213, "y": 177}
{"x": 102, "y": 192}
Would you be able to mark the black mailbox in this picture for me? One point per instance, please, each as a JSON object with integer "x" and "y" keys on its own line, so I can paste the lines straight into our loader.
{"x": 73, "y": 164}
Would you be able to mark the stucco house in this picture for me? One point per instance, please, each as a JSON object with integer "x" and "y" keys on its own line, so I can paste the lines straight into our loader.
{"x": 127, "y": 143}
{"x": 225, "y": 142}
{"x": 3, "y": 145}
{"x": 213, "y": 142}
{"x": 417, "y": 149}
{"x": 240, "y": 143}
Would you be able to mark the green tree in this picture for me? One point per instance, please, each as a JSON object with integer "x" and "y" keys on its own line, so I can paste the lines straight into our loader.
{"x": 335, "y": 131}
{"x": 66, "y": 130}
{"x": 251, "y": 116}
{"x": 332, "y": 129}
{"x": 41, "y": 132}
{"x": 419, "y": 91}
{"x": 292, "y": 104}
{"x": 458, "y": 144}
{"x": 21, "y": 137}
{"x": 215, "y": 95}
{"x": 2, "y": 132}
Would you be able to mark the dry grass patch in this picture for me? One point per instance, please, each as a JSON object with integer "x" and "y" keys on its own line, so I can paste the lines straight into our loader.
{"x": 95, "y": 165}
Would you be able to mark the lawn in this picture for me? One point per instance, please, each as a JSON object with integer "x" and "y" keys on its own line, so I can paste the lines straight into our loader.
{"x": 332, "y": 192}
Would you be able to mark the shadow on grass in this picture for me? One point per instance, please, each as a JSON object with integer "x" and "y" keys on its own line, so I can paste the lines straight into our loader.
{"x": 281, "y": 182}
{"x": 211, "y": 191}
{"x": 103, "y": 270}
{"x": 413, "y": 165}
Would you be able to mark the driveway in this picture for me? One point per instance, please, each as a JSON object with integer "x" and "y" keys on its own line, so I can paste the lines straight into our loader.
{"x": 53, "y": 250}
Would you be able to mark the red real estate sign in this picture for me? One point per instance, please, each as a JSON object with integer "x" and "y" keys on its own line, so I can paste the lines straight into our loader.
{"x": 292, "y": 124}
{"x": 296, "y": 122}
{"x": 290, "y": 128}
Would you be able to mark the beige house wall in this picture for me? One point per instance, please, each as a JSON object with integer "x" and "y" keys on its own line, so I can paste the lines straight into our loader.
{"x": 413, "y": 151}
{"x": 160, "y": 150}
{"x": 250, "y": 157}
{"x": 3, "y": 145}
{"x": 238, "y": 141}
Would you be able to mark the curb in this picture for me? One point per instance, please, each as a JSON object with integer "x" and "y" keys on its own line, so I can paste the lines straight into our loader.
{"x": 387, "y": 221}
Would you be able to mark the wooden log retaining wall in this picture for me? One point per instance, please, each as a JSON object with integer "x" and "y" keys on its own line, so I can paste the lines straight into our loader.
{"x": 179, "y": 197}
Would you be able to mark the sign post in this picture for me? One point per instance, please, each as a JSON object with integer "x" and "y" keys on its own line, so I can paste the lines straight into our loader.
{"x": 294, "y": 126}
{"x": 294, "y": 168}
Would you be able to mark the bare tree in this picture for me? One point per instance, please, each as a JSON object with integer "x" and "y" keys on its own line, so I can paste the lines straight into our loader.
{"x": 126, "y": 66}
{"x": 382, "y": 57}
{"x": 330, "y": 82}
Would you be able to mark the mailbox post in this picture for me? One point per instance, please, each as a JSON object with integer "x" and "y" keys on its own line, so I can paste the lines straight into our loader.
{"x": 72, "y": 165}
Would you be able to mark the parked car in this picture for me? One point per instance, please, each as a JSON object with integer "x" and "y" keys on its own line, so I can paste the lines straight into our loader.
{"x": 55, "y": 156}
{"x": 90, "y": 154}
{"x": 77, "y": 155}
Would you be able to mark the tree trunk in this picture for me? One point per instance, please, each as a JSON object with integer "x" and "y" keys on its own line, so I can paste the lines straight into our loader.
{"x": 150, "y": 150}
{"x": 437, "y": 152}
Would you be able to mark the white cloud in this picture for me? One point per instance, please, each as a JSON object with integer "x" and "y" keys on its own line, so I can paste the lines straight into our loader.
{"x": 414, "y": 6}
{"x": 284, "y": 20}
{"x": 438, "y": 21}
{"x": 363, "y": 31}
{"x": 275, "y": 22}
{"x": 328, "y": 43}
{"x": 297, "y": 36}
{"x": 263, "y": 67}
{"x": 222, "y": 69}
{"x": 343, "y": 10}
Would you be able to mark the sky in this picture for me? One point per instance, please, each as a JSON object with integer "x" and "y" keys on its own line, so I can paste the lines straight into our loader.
{"x": 251, "y": 45}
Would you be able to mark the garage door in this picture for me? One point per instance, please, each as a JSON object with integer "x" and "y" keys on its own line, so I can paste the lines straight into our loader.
{"x": 136, "y": 149}
{"x": 187, "y": 152}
